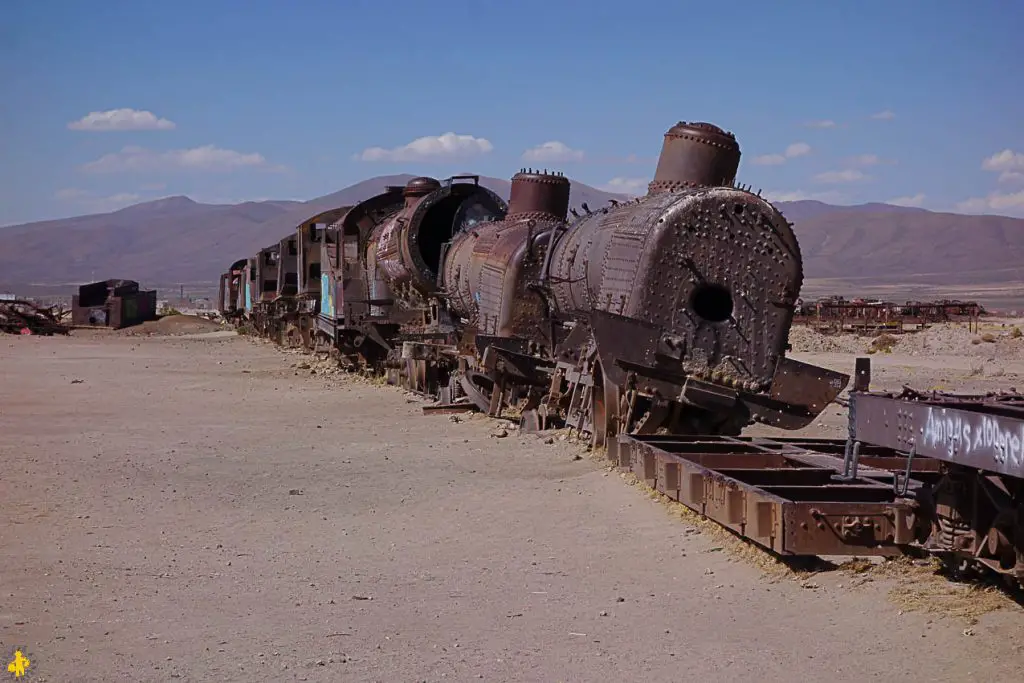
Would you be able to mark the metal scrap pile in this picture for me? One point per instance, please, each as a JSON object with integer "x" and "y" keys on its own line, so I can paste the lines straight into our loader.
{"x": 24, "y": 317}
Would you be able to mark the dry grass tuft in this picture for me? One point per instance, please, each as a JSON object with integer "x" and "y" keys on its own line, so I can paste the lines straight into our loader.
{"x": 883, "y": 343}
{"x": 921, "y": 586}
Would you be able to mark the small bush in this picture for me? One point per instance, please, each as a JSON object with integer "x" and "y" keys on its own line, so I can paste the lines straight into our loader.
{"x": 882, "y": 343}
{"x": 988, "y": 337}
{"x": 1016, "y": 333}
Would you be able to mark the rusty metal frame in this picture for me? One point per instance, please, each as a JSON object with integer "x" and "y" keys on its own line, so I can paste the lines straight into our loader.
{"x": 786, "y": 495}
{"x": 984, "y": 432}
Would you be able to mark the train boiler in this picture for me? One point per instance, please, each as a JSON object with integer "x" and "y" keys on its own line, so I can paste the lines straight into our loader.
{"x": 386, "y": 266}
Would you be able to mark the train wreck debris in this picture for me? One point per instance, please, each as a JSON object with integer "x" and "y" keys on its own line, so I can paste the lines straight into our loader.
{"x": 18, "y": 316}
{"x": 834, "y": 315}
{"x": 112, "y": 303}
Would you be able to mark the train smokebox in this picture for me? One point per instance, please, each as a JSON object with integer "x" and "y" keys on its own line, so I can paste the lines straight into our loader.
{"x": 694, "y": 155}
{"x": 541, "y": 196}
{"x": 419, "y": 187}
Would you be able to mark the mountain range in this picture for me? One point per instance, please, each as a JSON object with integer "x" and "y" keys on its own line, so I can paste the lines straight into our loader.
{"x": 176, "y": 239}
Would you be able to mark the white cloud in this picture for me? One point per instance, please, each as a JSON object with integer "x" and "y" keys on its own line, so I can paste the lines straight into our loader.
{"x": 797, "y": 149}
{"x": 849, "y": 175}
{"x": 121, "y": 119}
{"x": 827, "y": 123}
{"x": 870, "y": 160}
{"x": 916, "y": 200}
{"x": 1011, "y": 177}
{"x": 70, "y": 194}
{"x": 446, "y": 146}
{"x": 1004, "y": 204}
{"x": 829, "y": 197}
{"x": 630, "y": 186}
{"x": 884, "y": 115}
{"x": 553, "y": 151}
{"x": 769, "y": 160}
{"x": 1007, "y": 160}
{"x": 205, "y": 158}
{"x": 90, "y": 202}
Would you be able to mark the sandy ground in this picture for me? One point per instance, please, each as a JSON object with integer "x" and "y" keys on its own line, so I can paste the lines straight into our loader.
{"x": 199, "y": 508}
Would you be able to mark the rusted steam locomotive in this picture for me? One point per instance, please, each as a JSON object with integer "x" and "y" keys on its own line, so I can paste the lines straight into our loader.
{"x": 668, "y": 313}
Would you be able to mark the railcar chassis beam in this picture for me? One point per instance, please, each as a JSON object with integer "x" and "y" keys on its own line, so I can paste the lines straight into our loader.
{"x": 785, "y": 495}
{"x": 975, "y": 511}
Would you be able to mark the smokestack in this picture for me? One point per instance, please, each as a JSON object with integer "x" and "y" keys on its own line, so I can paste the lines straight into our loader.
{"x": 419, "y": 187}
{"x": 695, "y": 155}
{"x": 542, "y": 196}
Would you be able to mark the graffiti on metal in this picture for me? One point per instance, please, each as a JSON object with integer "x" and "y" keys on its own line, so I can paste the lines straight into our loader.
{"x": 969, "y": 431}
{"x": 975, "y": 436}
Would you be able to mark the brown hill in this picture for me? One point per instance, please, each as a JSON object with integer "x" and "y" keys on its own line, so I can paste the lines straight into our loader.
{"x": 177, "y": 240}
{"x": 881, "y": 241}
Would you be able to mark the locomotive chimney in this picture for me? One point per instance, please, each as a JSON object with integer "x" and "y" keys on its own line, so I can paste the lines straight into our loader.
{"x": 417, "y": 188}
{"x": 543, "y": 196}
{"x": 694, "y": 155}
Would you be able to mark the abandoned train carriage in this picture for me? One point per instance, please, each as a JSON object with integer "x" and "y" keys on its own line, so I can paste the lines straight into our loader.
{"x": 232, "y": 290}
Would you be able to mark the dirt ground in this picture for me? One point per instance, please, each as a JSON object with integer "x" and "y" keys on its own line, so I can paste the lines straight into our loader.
{"x": 210, "y": 508}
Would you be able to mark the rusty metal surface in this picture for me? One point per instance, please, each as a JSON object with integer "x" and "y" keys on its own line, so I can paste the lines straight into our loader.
{"x": 986, "y": 431}
{"x": 409, "y": 244}
{"x": 695, "y": 154}
{"x": 718, "y": 269}
{"x": 780, "y": 494}
{"x": 20, "y": 316}
{"x": 288, "y": 266}
{"x": 112, "y": 303}
{"x": 974, "y": 511}
{"x": 490, "y": 270}
{"x": 540, "y": 196}
{"x": 310, "y": 235}
{"x": 863, "y": 316}
{"x": 266, "y": 273}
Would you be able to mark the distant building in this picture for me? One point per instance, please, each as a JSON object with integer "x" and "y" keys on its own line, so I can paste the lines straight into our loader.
{"x": 112, "y": 303}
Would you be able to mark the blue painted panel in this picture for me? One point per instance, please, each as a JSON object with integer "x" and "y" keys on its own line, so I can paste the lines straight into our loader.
{"x": 326, "y": 296}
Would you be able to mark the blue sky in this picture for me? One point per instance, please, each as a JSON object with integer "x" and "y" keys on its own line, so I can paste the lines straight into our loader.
{"x": 913, "y": 101}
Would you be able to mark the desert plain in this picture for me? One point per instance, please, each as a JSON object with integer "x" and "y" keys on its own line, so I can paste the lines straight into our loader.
{"x": 181, "y": 503}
